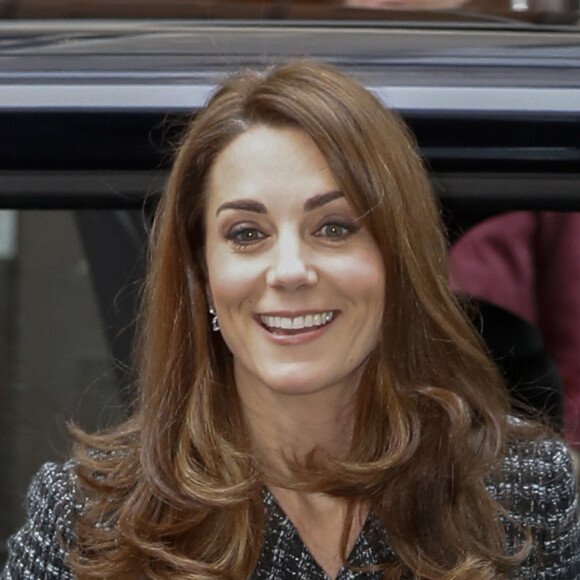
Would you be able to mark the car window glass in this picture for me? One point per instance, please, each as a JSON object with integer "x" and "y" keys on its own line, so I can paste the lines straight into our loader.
{"x": 55, "y": 356}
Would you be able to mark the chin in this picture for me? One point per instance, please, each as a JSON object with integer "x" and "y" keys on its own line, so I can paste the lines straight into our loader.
{"x": 296, "y": 383}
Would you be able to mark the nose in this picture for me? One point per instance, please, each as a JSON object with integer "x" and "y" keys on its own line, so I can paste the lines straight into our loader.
{"x": 291, "y": 269}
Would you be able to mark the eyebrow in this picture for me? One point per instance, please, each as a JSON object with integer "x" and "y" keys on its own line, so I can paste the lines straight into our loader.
{"x": 251, "y": 205}
{"x": 244, "y": 205}
{"x": 322, "y": 199}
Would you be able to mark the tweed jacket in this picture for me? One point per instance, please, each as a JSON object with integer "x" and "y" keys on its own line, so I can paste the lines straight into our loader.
{"x": 537, "y": 488}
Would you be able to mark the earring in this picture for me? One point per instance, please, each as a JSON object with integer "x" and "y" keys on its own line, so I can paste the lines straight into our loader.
{"x": 215, "y": 323}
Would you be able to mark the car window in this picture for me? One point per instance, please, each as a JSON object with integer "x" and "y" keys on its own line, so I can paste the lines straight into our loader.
{"x": 56, "y": 360}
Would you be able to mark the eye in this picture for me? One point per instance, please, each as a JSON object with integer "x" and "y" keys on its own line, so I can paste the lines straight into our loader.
{"x": 336, "y": 231}
{"x": 243, "y": 236}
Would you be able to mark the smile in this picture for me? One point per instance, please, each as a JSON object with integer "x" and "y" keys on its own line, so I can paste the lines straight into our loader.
{"x": 307, "y": 321}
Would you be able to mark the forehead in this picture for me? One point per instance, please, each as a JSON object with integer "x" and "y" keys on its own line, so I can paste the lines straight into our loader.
{"x": 269, "y": 164}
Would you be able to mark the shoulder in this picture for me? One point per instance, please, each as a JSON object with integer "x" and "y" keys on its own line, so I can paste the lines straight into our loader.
{"x": 39, "y": 549}
{"x": 537, "y": 471}
{"x": 537, "y": 487}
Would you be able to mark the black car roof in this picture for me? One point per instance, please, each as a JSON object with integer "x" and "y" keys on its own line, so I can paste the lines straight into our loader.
{"x": 496, "y": 111}
{"x": 174, "y": 66}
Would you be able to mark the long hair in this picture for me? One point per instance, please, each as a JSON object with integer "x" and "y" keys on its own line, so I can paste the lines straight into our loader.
{"x": 175, "y": 492}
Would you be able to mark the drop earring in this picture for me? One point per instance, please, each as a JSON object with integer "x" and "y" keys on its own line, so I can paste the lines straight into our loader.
{"x": 215, "y": 323}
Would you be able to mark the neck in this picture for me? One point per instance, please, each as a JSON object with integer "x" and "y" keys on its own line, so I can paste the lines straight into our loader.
{"x": 284, "y": 425}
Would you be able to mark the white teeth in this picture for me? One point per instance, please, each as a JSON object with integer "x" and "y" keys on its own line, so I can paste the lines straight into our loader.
{"x": 297, "y": 322}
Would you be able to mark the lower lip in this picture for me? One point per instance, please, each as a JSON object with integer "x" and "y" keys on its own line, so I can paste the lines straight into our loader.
{"x": 307, "y": 335}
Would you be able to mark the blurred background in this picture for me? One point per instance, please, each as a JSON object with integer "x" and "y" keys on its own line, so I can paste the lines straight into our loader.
{"x": 556, "y": 11}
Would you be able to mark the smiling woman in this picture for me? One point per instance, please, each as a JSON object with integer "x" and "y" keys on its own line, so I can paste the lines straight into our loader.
{"x": 289, "y": 265}
{"x": 313, "y": 401}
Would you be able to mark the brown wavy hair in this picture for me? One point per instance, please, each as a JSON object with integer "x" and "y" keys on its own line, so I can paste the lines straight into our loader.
{"x": 175, "y": 492}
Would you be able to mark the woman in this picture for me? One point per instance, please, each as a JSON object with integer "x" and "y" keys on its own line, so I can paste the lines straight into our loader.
{"x": 334, "y": 415}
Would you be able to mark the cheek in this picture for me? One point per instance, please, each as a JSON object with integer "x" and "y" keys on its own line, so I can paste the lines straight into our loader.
{"x": 232, "y": 281}
{"x": 362, "y": 278}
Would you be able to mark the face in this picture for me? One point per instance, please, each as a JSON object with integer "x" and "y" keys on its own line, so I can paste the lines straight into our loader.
{"x": 298, "y": 284}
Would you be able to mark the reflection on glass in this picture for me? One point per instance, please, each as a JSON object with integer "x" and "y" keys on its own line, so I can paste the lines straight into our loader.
{"x": 553, "y": 11}
{"x": 55, "y": 364}
{"x": 407, "y": 4}
{"x": 520, "y": 5}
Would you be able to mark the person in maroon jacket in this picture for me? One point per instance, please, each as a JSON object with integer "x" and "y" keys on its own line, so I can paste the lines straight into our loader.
{"x": 529, "y": 263}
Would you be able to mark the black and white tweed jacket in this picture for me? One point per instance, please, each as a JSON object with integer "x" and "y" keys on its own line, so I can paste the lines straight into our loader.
{"x": 538, "y": 489}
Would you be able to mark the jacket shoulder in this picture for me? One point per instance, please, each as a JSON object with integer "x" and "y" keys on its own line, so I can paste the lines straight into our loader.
{"x": 39, "y": 549}
{"x": 537, "y": 487}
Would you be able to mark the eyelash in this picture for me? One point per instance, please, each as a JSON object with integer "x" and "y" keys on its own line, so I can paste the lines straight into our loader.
{"x": 235, "y": 234}
{"x": 347, "y": 227}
